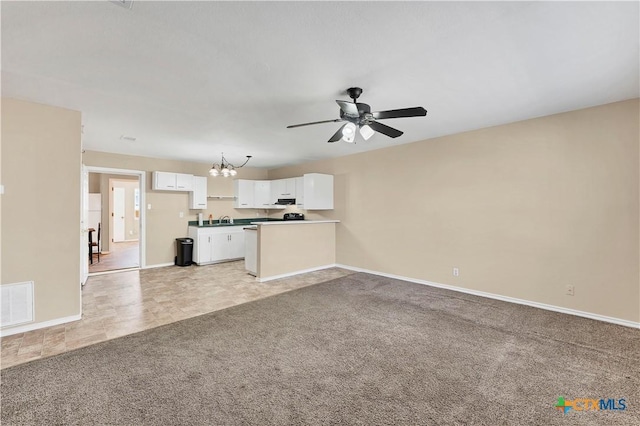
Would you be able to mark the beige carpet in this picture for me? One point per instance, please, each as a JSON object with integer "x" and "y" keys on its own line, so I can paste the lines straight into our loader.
{"x": 361, "y": 350}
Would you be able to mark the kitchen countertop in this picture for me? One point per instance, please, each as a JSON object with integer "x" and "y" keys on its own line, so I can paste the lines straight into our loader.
{"x": 236, "y": 222}
{"x": 294, "y": 222}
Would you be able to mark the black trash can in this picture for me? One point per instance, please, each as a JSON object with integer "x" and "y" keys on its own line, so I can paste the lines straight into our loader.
{"x": 184, "y": 251}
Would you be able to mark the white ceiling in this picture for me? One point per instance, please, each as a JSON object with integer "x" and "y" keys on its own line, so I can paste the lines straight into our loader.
{"x": 192, "y": 79}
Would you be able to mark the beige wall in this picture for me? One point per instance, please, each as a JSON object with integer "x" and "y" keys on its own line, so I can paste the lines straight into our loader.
{"x": 291, "y": 248}
{"x": 522, "y": 209}
{"x": 41, "y": 205}
{"x": 94, "y": 183}
{"x": 163, "y": 221}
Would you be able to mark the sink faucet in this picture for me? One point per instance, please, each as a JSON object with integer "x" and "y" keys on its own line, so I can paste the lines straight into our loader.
{"x": 223, "y": 218}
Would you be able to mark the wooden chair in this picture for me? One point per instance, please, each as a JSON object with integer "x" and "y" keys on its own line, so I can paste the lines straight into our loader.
{"x": 95, "y": 244}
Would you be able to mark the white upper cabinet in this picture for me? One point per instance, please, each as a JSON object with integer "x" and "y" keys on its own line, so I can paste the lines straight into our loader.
{"x": 283, "y": 188}
{"x": 167, "y": 181}
{"x": 243, "y": 190}
{"x": 198, "y": 197}
{"x": 318, "y": 191}
{"x": 300, "y": 192}
{"x": 164, "y": 181}
{"x": 313, "y": 191}
{"x": 184, "y": 182}
{"x": 262, "y": 194}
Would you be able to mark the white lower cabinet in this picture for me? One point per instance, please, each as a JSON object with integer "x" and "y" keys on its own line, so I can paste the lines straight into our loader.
{"x": 217, "y": 244}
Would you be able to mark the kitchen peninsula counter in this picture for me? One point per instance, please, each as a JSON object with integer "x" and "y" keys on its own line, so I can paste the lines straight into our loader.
{"x": 296, "y": 247}
{"x": 294, "y": 222}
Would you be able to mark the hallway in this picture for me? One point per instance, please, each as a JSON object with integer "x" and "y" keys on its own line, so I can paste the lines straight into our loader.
{"x": 123, "y": 255}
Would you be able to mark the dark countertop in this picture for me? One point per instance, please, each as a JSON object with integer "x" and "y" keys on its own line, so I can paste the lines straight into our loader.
{"x": 236, "y": 222}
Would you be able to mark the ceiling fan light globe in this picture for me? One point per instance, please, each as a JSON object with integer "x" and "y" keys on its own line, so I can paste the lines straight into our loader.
{"x": 349, "y": 130}
{"x": 366, "y": 132}
{"x": 349, "y": 138}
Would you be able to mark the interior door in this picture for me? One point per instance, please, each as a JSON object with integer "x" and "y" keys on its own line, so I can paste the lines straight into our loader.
{"x": 118, "y": 214}
{"x": 84, "y": 231}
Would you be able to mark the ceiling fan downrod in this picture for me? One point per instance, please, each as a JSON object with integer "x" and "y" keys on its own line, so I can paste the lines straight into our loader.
{"x": 354, "y": 93}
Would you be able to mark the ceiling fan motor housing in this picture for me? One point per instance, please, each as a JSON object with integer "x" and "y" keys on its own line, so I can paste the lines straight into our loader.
{"x": 354, "y": 92}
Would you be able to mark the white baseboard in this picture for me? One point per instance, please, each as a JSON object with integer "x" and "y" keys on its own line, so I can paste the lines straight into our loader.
{"x": 113, "y": 271}
{"x": 158, "y": 265}
{"x": 539, "y": 305}
{"x": 291, "y": 274}
{"x": 38, "y": 325}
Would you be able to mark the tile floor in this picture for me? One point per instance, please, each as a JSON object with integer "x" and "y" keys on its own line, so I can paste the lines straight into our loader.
{"x": 127, "y": 302}
{"x": 122, "y": 255}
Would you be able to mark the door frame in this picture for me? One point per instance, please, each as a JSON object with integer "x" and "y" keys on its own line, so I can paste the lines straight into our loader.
{"x": 84, "y": 244}
{"x": 142, "y": 184}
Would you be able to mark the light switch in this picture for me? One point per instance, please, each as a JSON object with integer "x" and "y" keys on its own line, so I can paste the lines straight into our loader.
{"x": 148, "y": 206}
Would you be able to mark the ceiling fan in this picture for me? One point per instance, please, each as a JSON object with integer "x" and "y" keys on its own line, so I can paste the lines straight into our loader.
{"x": 359, "y": 116}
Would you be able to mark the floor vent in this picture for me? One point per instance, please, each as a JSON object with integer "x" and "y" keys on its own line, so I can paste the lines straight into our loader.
{"x": 17, "y": 303}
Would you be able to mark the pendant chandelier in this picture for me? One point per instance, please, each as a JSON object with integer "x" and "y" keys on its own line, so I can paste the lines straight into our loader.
{"x": 225, "y": 168}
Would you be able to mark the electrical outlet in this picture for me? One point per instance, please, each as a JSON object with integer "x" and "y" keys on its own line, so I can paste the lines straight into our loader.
{"x": 181, "y": 214}
{"x": 570, "y": 290}
{"x": 456, "y": 272}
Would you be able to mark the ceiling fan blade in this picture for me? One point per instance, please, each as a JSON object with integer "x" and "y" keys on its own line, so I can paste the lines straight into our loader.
{"x": 337, "y": 135}
{"x": 398, "y": 113}
{"x": 314, "y": 122}
{"x": 349, "y": 108}
{"x": 363, "y": 108}
{"x": 385, "y": 130}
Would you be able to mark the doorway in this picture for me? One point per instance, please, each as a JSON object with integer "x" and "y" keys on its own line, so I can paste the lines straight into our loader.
{"x": 118, "y": 196}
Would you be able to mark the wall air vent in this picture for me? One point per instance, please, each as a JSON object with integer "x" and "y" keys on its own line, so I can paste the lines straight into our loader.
{"x": 17, "y": 303}
{"x": 124, "y": 3}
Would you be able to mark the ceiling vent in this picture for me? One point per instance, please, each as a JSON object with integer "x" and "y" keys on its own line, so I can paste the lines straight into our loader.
{"x": 128, "y": 4}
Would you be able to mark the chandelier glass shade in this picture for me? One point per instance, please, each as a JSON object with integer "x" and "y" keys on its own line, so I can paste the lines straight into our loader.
{"x": 226, "y": 169}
